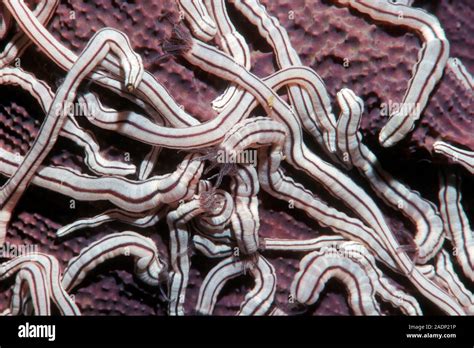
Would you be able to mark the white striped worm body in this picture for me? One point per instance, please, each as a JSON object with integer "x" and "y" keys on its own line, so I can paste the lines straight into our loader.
{"x": 231, "y": 42}
{"x": 304, "y": 245}
{"x": 253, "y": 132}
{"x": 111, "y": 119}
{"x": 52, "y": 273}
{"x": 5, "y": 22}
{"x": 383, "y": 287}
{"x": 201, "y": 23}
{"x": 422, "y": 213}
{"x": 285, "y": 188}
{"x": 71, "y": 129}
{"x": 215, "y": 280}
{"x": 245, "y": 218}
{"x": 103, "y": 43}
{"x": 426, "y": 73}
{"x": 21, "y": 302}
{"x": 286, "y": 56}
{"x": 31, "y": 275}
{"x": 244, "y": 227}
{"x": 446, "y": 276}
{"x": 44, "y": 10}
{"x": 142, "y": 220}
{"x": 225, "y": 235}
{"x": 259, "y": 300}
{"x": 179, "y": 259}
{"x": 210, "y": 248}
{"x": 218, "y": 63}
{"x": 128, "y": 195}
{"x": 456, "y": 222}
{"x": 218, "y": 224}
{"x": 42, "y": 275}
{"x": 214, "y": 206}
{"x": 463, "y": 157}
{"x": 317, "y": 268}
{"x": 461, "y": 73}
{"x": 138, "y": 127}
{"x": 297, "y": 154}
{"x": 263, "y": 292}
{"x": 427, "y": 270}
{"x": 156, "y": 97}
{"x": 148, "y": 265}
{"x": 148, "y": 163}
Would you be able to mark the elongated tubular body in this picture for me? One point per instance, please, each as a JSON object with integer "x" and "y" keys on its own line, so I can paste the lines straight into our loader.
{"x": 317, "y": 268}
{"x": 304, "y": 245}
{"x": 461, "y": 73}
{"x": 179, "y": 243}
{"x": 44, "y": 10}
{"x": 141, "y": 219}
{"x": 179, "y": 259}
{"x": 103, "y": 43}
{"x": 138, "y": 127}
{"x": 71, "y": 129}
{"x": 211, "y": 60}
{"x": 153, "y": 97}
{"x": 463, "y": 157}
{"x": 422, "y": 213}
{"x": 447, "y": 277}
{"x": 198, "y": 18}
{"x": 148, "y": 265}
{"x": 456, "y": 222}
{"x": 210, "y": 248}
{"x": 231, "y": 42}
{"x": 52, "y": 273}
{"x": 257, "y": 302}
{"x": 34, "y": 274}
{"x": 384, "y": 288}
{"x": 31, "y": 275}
{"x": 250, "y": 133}
{"x": 286, "y": 56}
{"x": 426, "y": 73}
{"x": 128, "y": 195}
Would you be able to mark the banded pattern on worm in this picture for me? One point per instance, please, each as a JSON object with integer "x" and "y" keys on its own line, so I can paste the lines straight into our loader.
{"x": 456, "y": 223}
{"x": 427, "y": 72}
{"x": 262, "y": 294}
{"x": 462, "y": 74}
{"x": 317, "y": 268}
{"x": 148, "y": 264}
{"x": 463, "y": 157}
{"x": 71, "y": 129}
{"x": 220, "y": 218}
{"x": 422, "y": 213}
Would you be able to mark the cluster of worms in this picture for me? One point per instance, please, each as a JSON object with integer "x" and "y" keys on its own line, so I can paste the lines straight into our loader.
{"x": 210, "y": 202}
